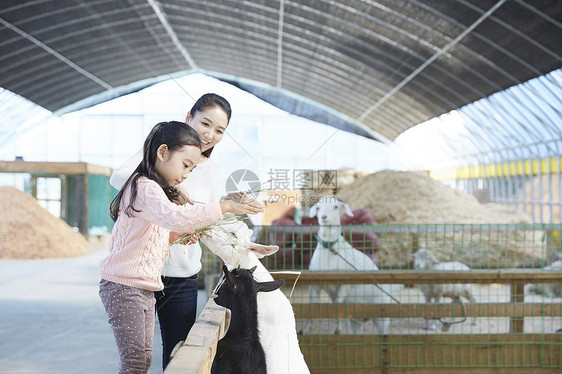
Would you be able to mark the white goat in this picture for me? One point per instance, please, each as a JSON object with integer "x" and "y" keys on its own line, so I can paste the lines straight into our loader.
{"x": 548, "y": 289}
{"x": 333, "y": 252}
{"x": 276, "y": 319}
{"x": 424, "y": 259}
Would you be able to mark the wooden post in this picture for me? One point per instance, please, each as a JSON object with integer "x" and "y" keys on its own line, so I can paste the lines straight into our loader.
{"x": 82, "y": 200}
{"x": 517, "y": 296}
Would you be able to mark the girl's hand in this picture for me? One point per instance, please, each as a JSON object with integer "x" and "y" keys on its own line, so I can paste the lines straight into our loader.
{"x": 184, "y": 197}
{"x": 188, "y": 238}
{"x": 193, "y": 238}
{"x": 246, "y": 206}
{"x": 174, "y": 236}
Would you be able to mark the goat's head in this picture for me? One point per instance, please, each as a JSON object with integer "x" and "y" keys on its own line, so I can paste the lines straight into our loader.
{"x": 232, "y": 240}
{"x": 329, "y": 210}
{"x": 240, "y": 283}
{"x": 424, "y": 259}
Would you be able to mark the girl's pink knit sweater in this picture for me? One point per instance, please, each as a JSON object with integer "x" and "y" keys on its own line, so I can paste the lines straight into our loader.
{"x": 138, "y": 244}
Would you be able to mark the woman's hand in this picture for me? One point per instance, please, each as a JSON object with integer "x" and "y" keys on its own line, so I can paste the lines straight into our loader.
{"x": 241, "y": 197}
{"x": 245, "y": 206}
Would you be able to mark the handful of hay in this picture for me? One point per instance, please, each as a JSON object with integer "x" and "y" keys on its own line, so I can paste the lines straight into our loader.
{"x": 227, "y": 218}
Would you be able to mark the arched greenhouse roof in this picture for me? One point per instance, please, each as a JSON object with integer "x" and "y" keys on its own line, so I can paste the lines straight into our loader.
{"x": 375, "y": 68}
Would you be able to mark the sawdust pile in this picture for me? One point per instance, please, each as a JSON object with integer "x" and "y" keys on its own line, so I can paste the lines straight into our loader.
{"x": 29, "y": 231}
{"x": 410, "y": 197}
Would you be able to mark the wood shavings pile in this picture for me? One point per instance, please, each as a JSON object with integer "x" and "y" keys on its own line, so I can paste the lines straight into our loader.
{"x": 411, "y": 197}
{"x": 29, "y": 231}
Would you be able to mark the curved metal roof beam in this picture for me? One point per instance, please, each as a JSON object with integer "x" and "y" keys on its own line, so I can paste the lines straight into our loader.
{"x": 349, "y": 121}
{"x": 482, "y": 120}
{"x": 533, "y": 110}
{"x": 501, "y": 49}
{"x": 56, "y": 54}
{"x": 430, "y": 60}
{"x": 406, "y": 49}
{"x": 446, "y": 38}
{"x": 300, "y": 31}
{"x": 335, "y": 102}
{"x": 508, "y": 126}
{"x": 471, "y": 87}
{"x": 525, "y": 97}
{"x": 280, "y": 44}
{"x": 546, "y": 104}
{"x": 510, "y": 108}
{"x": 359, "y": 82}
{"x": 519, "y": 33}
{"x": 508, "y": 96}
{"x": 172, "y": 34}
{"x": 392, "y": 70}
{"x": 41, "y": 69}
{"x": 121, "y": 91}
{"x": 81, "y": 32}
{"x": 484, "y": 39}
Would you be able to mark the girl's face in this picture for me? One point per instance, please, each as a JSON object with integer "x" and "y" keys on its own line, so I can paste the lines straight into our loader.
{"x": 210, "y": 124}
{"x": 175, "y": 166}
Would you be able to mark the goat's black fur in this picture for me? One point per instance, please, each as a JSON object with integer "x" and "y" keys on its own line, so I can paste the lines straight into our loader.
{"x": 240, "y": 351}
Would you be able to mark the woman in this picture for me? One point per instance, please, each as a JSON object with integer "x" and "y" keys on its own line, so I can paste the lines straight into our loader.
{"x": 176, "y": 304}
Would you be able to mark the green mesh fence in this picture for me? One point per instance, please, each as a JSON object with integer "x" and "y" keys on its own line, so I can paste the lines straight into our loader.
{"x": 507, "y": 313}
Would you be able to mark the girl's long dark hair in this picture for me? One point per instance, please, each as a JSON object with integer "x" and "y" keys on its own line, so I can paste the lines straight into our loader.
{"x": 175, "y": 135}
{"x": 211, "y": 100}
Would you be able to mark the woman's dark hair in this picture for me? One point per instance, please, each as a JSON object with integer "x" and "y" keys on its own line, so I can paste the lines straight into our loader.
{"x": 175, "y": 135}
{"x": 211, "y": 100}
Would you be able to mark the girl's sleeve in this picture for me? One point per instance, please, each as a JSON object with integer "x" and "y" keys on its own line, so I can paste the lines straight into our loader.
{"x": 156, "y": 208}
{"x": 120, "y": 176}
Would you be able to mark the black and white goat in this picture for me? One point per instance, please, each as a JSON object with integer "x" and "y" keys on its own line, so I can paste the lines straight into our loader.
{"x": 240, "y": 351}
{"x": 276, "y": 318}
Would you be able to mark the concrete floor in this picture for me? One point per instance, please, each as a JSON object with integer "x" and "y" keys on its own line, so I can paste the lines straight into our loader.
{"x": 52, "y": 320}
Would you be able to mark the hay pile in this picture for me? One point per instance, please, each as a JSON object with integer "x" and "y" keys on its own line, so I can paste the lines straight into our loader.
{"x": 483, "y": 241}
{"x": 29, "y": 231}
{"x": 408, "y": 197}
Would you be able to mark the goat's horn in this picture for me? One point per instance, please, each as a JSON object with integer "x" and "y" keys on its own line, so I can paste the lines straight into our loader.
{"x": 253, "y": 269}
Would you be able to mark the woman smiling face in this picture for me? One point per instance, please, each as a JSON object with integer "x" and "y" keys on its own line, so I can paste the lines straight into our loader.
{"x": 210, "y": 123}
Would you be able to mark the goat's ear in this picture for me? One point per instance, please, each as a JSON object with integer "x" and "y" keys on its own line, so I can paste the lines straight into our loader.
{"x": 346, "y": 209}
{"x": 261, "y": 250}
{"x": 270, "y": 286}
{"x": 313, "y": 210}
{"x": 229, "y": 277}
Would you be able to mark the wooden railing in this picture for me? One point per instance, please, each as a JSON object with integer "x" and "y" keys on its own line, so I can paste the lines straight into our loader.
{"x": 516, "y": 309}
{"x": 196, "y": 354}
{"x": 440, "y": 351}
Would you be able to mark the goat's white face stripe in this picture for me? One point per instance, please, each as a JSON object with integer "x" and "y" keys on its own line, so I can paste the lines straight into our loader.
{"x": 218, "y": 286}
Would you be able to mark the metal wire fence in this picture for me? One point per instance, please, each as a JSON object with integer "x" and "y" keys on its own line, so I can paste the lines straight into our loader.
{"x": 507, "y": 313}
{"x": 479, "y": 246}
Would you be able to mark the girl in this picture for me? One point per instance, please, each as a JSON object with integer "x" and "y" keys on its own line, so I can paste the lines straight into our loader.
{"x": 145, "y": 211}
{"x": 176, "y": 304}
